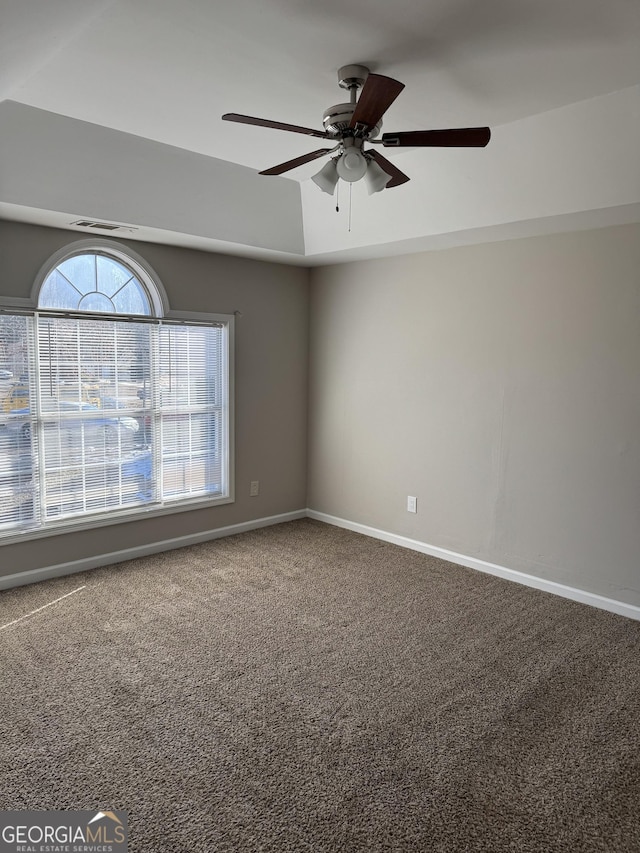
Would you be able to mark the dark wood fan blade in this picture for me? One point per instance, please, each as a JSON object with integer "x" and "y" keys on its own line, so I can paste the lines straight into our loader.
{"x": 458, "y": 137}
{"x": 298, "y": 161}
{"x": 378, "y": 93}
{"x": 397, "y": 177}
{"x": 276, "y": 125}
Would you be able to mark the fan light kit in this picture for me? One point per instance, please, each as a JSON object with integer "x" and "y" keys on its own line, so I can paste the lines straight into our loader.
{"x": 351, "y": 125}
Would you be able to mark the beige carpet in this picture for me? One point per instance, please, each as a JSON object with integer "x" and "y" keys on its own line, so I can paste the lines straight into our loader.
{"x": 304, "y": 688}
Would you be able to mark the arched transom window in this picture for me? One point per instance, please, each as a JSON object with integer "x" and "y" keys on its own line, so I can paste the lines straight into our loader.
{"x": 94, "y": 283}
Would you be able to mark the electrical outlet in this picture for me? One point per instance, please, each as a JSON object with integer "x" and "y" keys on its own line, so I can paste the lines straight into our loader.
{"x": 254, "y": 489}
{"x": 412, "y": 504}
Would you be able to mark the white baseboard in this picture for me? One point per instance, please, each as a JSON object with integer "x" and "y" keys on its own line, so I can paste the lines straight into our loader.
{"x": 36, "y": 575}
{"x": 71, "y": 568}
{"x": 584, "y": 597}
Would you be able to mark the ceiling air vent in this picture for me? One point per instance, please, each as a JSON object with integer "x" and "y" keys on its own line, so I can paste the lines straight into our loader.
{"x": 103, "y": 226}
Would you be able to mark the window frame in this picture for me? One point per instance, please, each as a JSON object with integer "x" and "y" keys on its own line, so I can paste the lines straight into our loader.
{"x": 160, "y": 312}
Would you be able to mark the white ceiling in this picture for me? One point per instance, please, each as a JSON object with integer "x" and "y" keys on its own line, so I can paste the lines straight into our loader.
{"x": 166, "y": 70}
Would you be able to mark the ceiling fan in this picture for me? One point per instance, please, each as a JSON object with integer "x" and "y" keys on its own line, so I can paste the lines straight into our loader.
{"x": 352, "y": 125}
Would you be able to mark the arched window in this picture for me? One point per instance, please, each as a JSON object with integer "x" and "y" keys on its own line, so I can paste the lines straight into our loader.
{"x": 112, "y": 405}
{"x": 95, "y": 283}
{"x": 100, "y": 277}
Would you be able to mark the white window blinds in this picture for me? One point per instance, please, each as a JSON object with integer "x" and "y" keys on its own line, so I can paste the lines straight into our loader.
{"x": 104, "y": 416}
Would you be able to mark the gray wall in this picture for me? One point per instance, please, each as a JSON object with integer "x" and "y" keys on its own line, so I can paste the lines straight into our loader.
{"x": 500, "y": 384}
{"x": 271, "y": 385}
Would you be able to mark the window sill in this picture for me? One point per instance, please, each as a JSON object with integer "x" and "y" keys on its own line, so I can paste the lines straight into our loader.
{"x": 123, "y": 517}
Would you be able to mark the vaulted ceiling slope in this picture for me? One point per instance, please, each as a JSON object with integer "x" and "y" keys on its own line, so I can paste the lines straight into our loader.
{"x": 111, "y": 111}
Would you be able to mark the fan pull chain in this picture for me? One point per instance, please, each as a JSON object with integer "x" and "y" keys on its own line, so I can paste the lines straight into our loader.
{"x": 337, "y": 197}
{"x": 350, "y": 188}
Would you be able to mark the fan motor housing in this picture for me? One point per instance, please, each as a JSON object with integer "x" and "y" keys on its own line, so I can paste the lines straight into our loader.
{"x": 336, "y": 120}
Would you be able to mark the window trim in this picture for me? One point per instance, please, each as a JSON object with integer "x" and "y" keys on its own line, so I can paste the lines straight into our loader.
{"x": 124, "y": 517}
{"x": 162, "y": 312}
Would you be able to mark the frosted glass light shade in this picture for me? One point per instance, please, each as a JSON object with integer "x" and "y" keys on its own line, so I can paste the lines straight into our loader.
{"x": 352, "y": 165}
{"x": 376, "y": 178}
{"x": 327, "y": 177}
